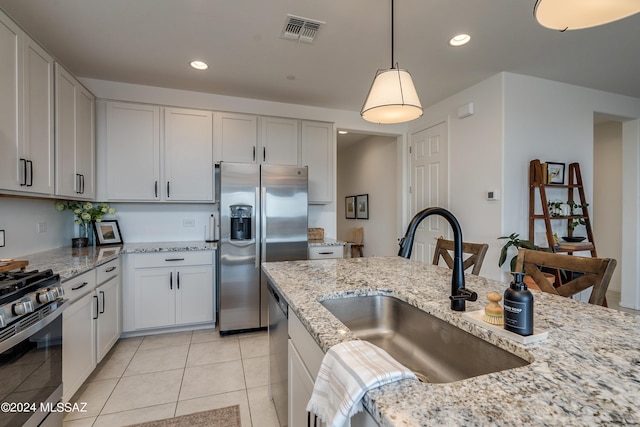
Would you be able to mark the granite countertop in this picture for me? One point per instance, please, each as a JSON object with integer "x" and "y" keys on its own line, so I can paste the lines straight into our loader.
{"x": 326, "y": 242}
{"x": 587, "y": 372}
{"x": 69, "y": 262}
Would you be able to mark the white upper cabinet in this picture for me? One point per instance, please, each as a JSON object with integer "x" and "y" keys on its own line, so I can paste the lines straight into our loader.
{"x": 26, "y": 113}
{"x": 188, "y": 155}
{"x": 133, "y": 152}
{"x": 150, "y": 162}
{"x": 237, "y": 137}
{"x": 279, "y": 141}
{"x": 318, "y": 154}
{"x": 75, "y": 137}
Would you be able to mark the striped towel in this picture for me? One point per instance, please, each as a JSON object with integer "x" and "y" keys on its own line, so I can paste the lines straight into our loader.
{"x": 348, "y": 370}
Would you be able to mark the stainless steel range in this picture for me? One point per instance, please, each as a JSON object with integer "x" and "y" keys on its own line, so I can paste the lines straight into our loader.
{"x": 31, "y": 305}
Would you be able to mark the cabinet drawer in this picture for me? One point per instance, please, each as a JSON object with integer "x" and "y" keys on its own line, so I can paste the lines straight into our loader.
{"x": 80, "y": 285}
{"x": 170, "y": 259}
{"x": 107, "y": 270}
{"x": 326, "y": 252}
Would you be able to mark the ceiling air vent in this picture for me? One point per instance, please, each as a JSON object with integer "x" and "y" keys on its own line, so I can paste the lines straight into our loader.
{"x": 300, "y": 29}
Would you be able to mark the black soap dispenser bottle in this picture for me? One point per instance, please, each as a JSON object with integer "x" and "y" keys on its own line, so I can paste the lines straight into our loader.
{"x": 518, "y": 307}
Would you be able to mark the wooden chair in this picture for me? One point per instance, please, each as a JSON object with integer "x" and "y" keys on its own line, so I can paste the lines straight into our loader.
{"x": 594, "y": 272}
{"x": 444, "y": 249}
{"x": 357, "y": 235}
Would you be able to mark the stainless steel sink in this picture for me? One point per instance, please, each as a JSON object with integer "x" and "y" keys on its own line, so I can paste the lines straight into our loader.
{"x": 435, "y": 350}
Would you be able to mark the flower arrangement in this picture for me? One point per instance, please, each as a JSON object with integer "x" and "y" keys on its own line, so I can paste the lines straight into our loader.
{"x": 86, "y": 212}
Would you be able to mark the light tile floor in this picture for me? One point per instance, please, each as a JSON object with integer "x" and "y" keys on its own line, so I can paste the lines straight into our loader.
{"x": 162, "y": 376}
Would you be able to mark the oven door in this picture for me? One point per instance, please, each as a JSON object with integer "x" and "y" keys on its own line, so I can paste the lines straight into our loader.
{"x": 31, "y": 371}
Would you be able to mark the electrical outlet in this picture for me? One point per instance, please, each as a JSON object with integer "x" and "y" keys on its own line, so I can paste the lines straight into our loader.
{"x": 1, "y": 238}
{"x": 42, "y": 227}
{"x": 189, "y": 222}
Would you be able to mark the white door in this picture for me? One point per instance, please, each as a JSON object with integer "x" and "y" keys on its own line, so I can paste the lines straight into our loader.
{"x": 194, "y": 295}
{"x": 429, "y": 187}
{"x": 108, "y": 326}
{"x": 154, "y": 297}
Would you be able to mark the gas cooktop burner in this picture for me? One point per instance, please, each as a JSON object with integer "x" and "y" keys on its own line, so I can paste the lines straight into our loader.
{"x": 15, "y": 284}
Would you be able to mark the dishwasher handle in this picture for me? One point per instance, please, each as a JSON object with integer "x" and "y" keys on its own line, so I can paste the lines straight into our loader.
{"x": 284, "y": 307}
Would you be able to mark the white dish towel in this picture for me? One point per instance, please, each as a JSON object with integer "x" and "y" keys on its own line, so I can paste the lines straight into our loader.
{"x": 347, "y": 371}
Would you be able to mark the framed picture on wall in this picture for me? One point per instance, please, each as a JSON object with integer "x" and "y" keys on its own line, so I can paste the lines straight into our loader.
{"x": 350, "y": 207}
{"x": 362, "y": 206}
{"x": 107, "y": 232}
{"x": 555, "y": 173}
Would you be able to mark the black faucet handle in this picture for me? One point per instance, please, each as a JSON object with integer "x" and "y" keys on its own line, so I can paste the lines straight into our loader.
{"x": 464, "y": 294}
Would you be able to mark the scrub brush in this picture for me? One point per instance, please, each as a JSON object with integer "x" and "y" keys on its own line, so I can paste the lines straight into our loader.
{"x": 493, "y": 311}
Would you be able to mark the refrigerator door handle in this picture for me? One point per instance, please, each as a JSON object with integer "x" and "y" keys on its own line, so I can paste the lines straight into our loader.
{"x": 258, "y": 227}
{"x": 263, "y": 223}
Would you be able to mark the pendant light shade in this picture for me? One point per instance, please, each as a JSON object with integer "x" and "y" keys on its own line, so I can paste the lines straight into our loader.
{"x": 576, "y": 14}
{"x": 392, "y": 96}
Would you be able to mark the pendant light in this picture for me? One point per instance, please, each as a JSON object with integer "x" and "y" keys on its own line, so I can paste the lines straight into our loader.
{"x": 576, "y": 14}
{"x": 392, "y": 97}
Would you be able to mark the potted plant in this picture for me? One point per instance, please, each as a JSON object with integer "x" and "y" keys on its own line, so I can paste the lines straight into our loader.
{"x": 86, "y": 213}
{"x": 513, "y": 240}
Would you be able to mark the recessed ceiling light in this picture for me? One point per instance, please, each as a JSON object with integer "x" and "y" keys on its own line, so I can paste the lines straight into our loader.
{"x": 343, "y": 132}
{"x": 460, "y": 39}
{"x": 199, "y": 65}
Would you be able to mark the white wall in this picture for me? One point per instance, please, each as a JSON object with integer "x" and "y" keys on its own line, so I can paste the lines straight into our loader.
{"x": 19, "y": 217}
{"x": 369, "y": 167}
{"x": 475, "y": 163}
{"x": 607, "y": 194}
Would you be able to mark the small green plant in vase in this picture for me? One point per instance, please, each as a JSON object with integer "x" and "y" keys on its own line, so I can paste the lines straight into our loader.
{"x": 579, "y": 220}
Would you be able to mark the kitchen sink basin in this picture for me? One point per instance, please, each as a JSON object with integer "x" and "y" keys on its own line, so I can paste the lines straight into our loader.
{"x": 434, "y": 350}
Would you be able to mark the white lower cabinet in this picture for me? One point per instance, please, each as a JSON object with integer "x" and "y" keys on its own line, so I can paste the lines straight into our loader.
{"x": 78, "y": 332}
{"x": 171, "y": 289}
{"x": 91, "y": 325}
{"x": 304, "y": 360}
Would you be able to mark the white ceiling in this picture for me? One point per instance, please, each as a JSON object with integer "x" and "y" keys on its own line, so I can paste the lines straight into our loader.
{"x": 151, "y": 42}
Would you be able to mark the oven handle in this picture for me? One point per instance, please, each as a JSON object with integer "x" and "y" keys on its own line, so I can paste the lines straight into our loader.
{"x": 26, "y": 333}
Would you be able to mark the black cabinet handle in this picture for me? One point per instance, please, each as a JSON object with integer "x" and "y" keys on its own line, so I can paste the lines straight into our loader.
{"x": 102, "y": 293}
{"x": 174, "y": 259}
{"x": 109, "y": 270}
{"x": 30, "y": 163}
{"x": 155, "y": 188}
{"x": 254, "y": 153}
{"x": 168, "y": 189}
{"x": 78, "y": 184}
{"x": 82, "y": 177}
{"x": 325, "y": 253}
{"x": 97, "y": 308}
{"x": 264, "y": 154}
{"x": 178, "y": 274}
{"x": 171, "y": 280}
{"x": 23, "y": 182}
{"x": 80, "y": 287}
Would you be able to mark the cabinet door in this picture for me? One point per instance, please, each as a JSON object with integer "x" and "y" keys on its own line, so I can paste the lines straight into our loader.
{"x": 154, "y": 298}
{"x": 237, "y": 136}
{"x": 10, "y": 103}
{"x": 194, "y": 295}
{"x": 79, "y": 344}
{"x": 86, "y": 141}
{"x": 279, "y": 140}
{"x": 67, "y": 181}
{"x": 133, "y": 151}
{"x": 300, "y": 388}
{"x": 108, "y": 323}
{"x": 318, "y": 153}
{"x": 188, "y": 155}
{"x": 38, "y": 118}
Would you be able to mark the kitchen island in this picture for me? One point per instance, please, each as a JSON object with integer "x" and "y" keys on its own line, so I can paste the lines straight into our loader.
{"x": 587, "y": 372}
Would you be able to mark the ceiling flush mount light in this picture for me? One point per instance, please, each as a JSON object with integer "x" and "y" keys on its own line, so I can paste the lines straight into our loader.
{"x": 460, "y": 40}
{"x": 392, "y": 97}
{"x": 199, "y": 65}
{"x": 576, "y": 14}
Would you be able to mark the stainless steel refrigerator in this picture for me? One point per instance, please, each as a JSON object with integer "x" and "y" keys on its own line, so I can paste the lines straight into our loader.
{"x": 263, "y": 217}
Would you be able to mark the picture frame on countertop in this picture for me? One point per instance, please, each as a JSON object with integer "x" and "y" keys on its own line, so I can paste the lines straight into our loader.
{"x": 555, "y": 173}
{"x": 107, "y": 232}
{"x": 350, "y": 207}
{"x": 362, "y": 206}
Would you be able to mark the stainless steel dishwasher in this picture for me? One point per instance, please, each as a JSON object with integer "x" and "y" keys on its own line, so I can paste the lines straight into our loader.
{"x": 278, "y": 343}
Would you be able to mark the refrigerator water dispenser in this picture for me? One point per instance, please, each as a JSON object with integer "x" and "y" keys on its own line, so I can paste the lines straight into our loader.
{"x": 241, "y": 222}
